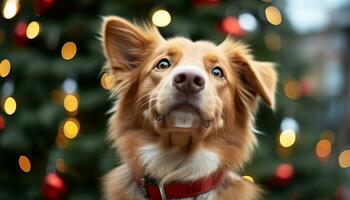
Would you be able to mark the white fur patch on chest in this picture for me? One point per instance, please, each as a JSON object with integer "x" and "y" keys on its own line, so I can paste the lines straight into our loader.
{"x": 173, "y": 164}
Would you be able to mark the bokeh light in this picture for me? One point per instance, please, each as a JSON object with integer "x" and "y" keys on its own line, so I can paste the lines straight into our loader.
{"x": 231, "y": 25}
{"x": 323, "y": 148}
{"x": 5, "y": 68}
{"x": 107, "y": 81}
{"x": 71, "y": 128}
{"x": 248, "y": 22}
{"x": 33, "y": 30}
{"x": 287, "y": 138}
{"x": 273, "y": 41}
{"x": 69, "y": 50}
{"x": 249, "y": 178}
{"x": 24, "y": 163}
{"x": 71, "y": 102}
{"x": 161, "y": 18}
{"x": 292, "y": 90}
{"x": 344, "y": 159}
{"x": 273, "y": 15}
{"x": 284, "y": 171}
{"x": 10, "y": 105}
{"x": 11, "y": 8}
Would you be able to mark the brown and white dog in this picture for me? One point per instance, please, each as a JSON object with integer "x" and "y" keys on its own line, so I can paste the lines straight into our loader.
{"x": 183, "y": 118}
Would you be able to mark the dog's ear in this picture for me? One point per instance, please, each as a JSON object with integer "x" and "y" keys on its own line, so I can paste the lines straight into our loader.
{"x": 126, "y": 45}
{"x": 257, "y": 78}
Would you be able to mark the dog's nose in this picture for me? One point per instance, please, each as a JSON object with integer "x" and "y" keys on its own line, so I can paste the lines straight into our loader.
{"x": 189, "y": 82}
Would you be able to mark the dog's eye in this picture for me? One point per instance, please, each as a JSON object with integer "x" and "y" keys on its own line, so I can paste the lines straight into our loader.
{"x": 163, "y": 64}
{"x": 217, "y": 71}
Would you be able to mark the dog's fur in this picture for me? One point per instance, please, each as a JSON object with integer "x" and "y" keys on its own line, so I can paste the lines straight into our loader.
{"x": 144, "y": 92}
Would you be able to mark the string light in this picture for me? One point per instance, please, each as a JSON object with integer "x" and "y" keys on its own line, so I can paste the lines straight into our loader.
{"x": 273, "y": 41}
{"x": 10, "y": 105}
{"x": 161, "y": 18}
{"x": 33, "y": 30}
{"x": 344, "y": 159}
{"x": 69, "y": 50}
{"x": 24, "y": 163}
{"x": 11, "y": 8}
{"x": 71, "y": 102}
{"x": 249, "y": 178}
{"x": 5, "y": 68}
{"x": 107, "y": 81}
{"x": 291, "y": 90}
{"x": 323, "y": 148}
{"x": 273, "y": 15}
{"x": 287, "y": 138}
{"x": 71, "y": 128}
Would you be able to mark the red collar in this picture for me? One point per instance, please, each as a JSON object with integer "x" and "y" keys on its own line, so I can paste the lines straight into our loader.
{"x": 152, "y": 190}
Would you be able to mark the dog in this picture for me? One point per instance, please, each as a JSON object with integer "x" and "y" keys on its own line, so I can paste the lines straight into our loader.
{"x": 184, "y": 114}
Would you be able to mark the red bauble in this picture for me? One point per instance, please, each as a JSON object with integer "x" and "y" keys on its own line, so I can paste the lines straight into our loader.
{"x": 205, "y": 2}
{"x": 2, "y": 123}
{"x": 20, "y": 36}
{"x": 54, "y": 187}
{"x": 230, "y": 25}
{"x": 42, "y": 6}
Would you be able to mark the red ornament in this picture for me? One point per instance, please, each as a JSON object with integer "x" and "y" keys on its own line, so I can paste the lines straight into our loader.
{"x": 42, "y": 6}
{"x": 2, "y": 123}
{"x": 20, "y": 34}
{"x": 54, "y": 187}
{"x": 205, "y": 2}
{"x": 230, "y": 25}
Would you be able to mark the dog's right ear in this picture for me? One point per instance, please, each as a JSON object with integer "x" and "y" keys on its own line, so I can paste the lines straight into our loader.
{"x": 126, "y": 45}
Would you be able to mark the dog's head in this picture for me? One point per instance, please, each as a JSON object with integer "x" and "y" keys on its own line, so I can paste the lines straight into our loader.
{"x": 182, "y": 93}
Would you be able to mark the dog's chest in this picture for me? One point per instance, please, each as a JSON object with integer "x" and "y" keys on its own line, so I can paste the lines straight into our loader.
{"x": 170, "y": 165}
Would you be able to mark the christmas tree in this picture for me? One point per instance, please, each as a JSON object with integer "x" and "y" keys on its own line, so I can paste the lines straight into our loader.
{"x": 55, "y": 100}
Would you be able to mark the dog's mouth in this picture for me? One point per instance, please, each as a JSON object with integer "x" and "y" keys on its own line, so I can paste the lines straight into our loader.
{"x": 182, "y": 117}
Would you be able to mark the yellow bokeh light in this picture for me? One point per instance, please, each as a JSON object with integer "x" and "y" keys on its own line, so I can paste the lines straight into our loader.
{"x": 69, "y": 50}
{"x": 161, "y": 18}
{"x": 24, "y": 163}
{"x": 70, "y": 102}
{"x": 323, "y": 148}
{"x": 71, "y": 128}
{"x": 273, "y": 15}
{"x": 287, "y": 138}
{"x": 10, "y": 105}
{"x": 107, "y": 81}
{"x": 344, "y": 159}
{"x": 5, "y": 68}
{"x": 11, "y": 8}
{"x": 273, "y": 41}
{"x": 33, "y": 30}
{"x": 249, "y": 178}
{"x": 292, "y": 90}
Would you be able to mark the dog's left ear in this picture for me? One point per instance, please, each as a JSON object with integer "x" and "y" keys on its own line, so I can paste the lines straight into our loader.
{"x": 257, "y": 78}
{"x": 127, "y": 45}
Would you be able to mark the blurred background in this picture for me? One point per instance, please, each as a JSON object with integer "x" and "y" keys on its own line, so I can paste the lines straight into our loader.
{"x": 54, "y": 100}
